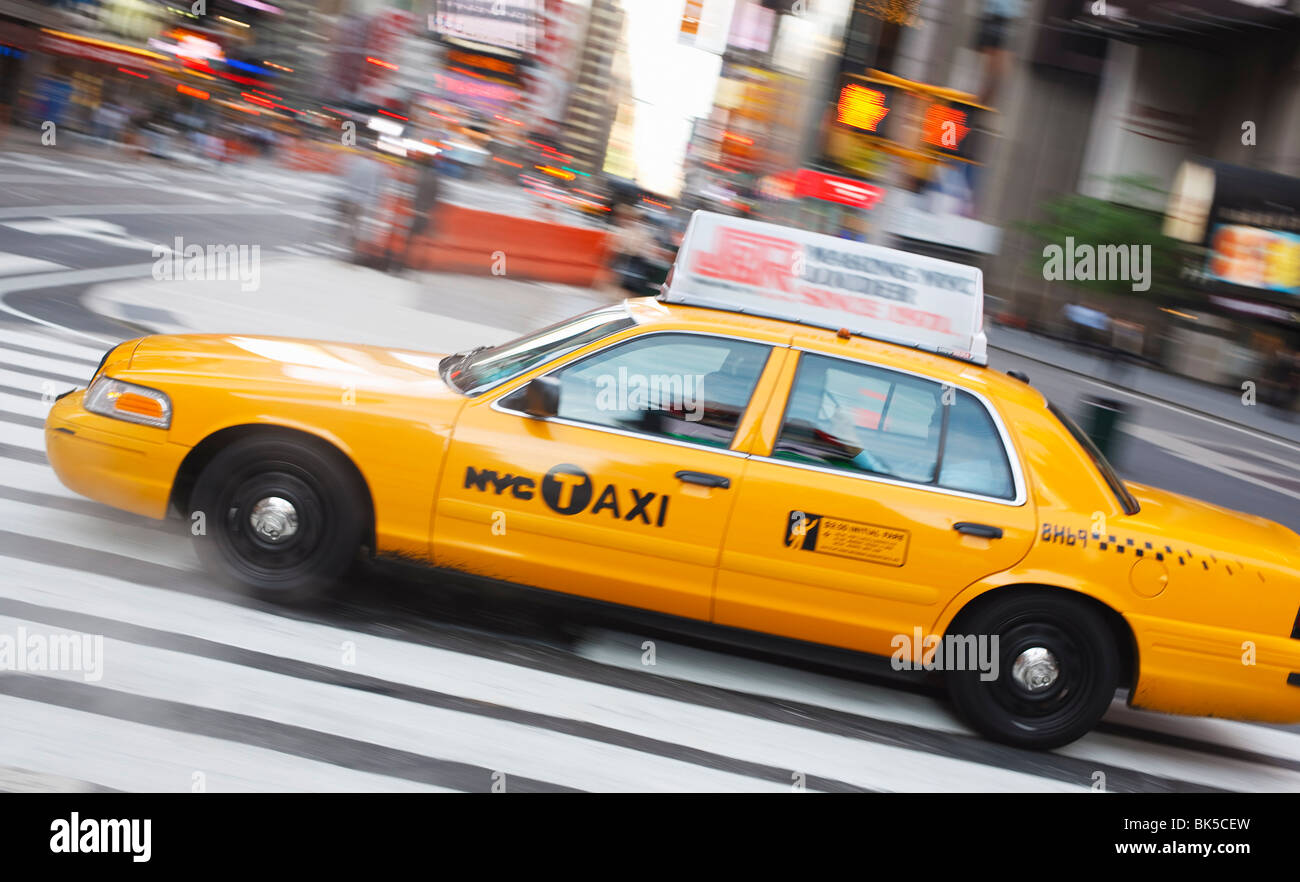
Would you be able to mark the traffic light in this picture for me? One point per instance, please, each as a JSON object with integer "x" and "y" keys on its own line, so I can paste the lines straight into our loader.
{"x": 868, "y": 106}
{"x": 909, "y": 119}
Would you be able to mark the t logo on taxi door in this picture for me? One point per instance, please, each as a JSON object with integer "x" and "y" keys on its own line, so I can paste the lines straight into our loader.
{"x": 566, "y": 489}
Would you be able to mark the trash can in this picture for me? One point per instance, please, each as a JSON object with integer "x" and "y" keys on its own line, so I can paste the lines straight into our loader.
{"x": 1102, "y": 418}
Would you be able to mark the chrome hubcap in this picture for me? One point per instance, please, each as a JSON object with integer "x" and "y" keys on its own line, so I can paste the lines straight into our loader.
{"x": 274, "y": 519}
{"x": 1035, "y": 669}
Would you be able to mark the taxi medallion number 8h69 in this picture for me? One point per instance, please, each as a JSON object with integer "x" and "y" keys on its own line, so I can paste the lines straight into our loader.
{"x": 799, "y": 437}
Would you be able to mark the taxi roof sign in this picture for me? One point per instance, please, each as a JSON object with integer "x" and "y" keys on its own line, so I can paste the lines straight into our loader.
{"x": 747, "y": 266}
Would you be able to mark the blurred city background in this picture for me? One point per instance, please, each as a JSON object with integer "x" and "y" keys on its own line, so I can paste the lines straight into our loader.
{"x": 979, "y": 131}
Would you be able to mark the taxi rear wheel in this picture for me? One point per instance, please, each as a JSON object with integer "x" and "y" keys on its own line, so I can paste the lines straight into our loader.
{"x": 1058, "y": 668}
{"x": 283, "y": 519}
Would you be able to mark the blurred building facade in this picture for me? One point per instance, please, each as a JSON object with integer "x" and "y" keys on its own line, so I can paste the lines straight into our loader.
{"x": 592, "y": 102}
{"x": 1091, "y": 100}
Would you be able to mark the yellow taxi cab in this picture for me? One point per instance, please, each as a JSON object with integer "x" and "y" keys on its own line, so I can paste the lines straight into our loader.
{"x": 799, "y": 437}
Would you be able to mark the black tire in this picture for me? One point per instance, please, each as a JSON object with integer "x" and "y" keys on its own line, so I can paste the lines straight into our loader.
{"x": 326, "y": 501}
{"x": 1087, "y": 661}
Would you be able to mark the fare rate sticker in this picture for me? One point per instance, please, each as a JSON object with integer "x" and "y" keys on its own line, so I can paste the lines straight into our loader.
{"x": 838, "y": 537}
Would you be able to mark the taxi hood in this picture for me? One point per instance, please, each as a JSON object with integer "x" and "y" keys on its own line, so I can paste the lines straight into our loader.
{"x": 288, "y": 360}
{"x": 1189, "y": 520}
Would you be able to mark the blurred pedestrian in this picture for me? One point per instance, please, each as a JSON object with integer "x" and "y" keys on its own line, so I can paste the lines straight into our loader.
{"x": 630, "y": 246}
{"x": 424, "y": 204}
{"x": 1284, "y": 377}
{"x": 993, "y": 43}
{"x": 362, "y": 178}
{"x": 1126, "y": 347}
{"x": 116, "y": 120}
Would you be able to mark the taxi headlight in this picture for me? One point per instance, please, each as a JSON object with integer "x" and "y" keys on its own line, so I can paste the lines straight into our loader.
{"x": 127, "y": 401}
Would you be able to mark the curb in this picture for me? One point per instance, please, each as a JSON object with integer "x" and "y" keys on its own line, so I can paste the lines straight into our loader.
{"x": 1152, "y": 398}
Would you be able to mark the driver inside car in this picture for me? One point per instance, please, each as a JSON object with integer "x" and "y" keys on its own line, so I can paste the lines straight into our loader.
{"x": 845, "y": 431}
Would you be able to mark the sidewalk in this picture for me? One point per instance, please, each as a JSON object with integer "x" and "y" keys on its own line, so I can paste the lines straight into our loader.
{"x": 1212, "y": 401}
{"x": 19, "y": 141}
{"x": 323, "y": 299}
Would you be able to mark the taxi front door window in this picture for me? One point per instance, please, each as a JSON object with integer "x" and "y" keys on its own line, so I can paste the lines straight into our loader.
{"x": 682, "y": 386}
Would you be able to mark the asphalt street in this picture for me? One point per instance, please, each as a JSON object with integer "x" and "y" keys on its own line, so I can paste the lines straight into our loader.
{"x": 413, "y": 684}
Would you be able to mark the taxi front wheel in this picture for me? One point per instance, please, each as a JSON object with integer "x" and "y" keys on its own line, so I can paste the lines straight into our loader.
{"x": 1057, "y": 668}
{"x": 283, "y": 519}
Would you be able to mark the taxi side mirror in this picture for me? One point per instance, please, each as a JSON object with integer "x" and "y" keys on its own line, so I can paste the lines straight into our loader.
{"x": 542, "y": 397}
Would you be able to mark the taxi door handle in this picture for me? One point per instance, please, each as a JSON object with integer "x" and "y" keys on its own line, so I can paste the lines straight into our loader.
{"x": 971, "y": 529}
{"x": 703, "y": 478}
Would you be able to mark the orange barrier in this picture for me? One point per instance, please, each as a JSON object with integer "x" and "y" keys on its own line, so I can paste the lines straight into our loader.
{"x": 311, "y": 156}
{"x": 465, "y": 240}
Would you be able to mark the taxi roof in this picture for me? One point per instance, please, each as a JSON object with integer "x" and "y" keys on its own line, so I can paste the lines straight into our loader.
{"x": 653, "y": 311}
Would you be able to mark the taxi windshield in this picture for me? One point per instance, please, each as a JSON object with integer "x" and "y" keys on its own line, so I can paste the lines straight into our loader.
{"x": 1108, "y": 472}
{"x": 478, "y": 370}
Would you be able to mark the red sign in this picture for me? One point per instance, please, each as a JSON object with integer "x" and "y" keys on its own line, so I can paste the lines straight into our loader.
{"x": 845, "y": 191}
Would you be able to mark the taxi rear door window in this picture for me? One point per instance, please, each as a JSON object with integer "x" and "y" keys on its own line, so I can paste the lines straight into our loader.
{"x": 862, "y": 418}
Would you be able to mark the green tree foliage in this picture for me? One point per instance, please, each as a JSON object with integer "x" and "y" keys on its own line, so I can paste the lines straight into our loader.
{"x": 1099, "y": 222}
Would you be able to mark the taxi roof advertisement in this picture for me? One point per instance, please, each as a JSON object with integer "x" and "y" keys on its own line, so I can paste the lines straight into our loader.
{"x": 763, "y": 269}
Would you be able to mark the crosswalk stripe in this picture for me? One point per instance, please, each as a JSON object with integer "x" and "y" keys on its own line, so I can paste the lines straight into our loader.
{"x": 724, "y": 732}
{"x": 22, "y": 436}
{"x": 41, "y": 386}
{"x": 21, "y": 454}
{"x": 1265, "y": 740}
{"x": 61, "y": 380}
{"x": 50, "y": 343}
{"x": 23, "y": 480}
{"x": 1186, "y": 765}
{"x": 18, "y": 351}
{"x": 137, "y": 757}
{"x": 32, "y": 407}
{"x": 20, "y": 419}
{"x": 54, "y": 366}
{"x": 140, "y": 541}
{"x": 35, "y": 478}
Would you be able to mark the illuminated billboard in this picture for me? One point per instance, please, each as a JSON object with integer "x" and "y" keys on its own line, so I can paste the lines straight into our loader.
{"x": 504, "y": 24}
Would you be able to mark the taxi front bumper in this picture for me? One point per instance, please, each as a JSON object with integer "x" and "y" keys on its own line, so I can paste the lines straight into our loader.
{"x": 120, "y": 464}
